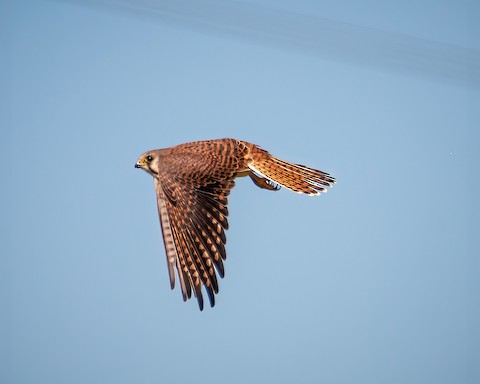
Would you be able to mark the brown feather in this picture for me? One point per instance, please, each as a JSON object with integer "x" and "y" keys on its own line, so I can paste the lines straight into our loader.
{"x": 192, "y": 183}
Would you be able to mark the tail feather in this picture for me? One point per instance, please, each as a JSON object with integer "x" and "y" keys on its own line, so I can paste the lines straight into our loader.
{"x": 295, "y": 177}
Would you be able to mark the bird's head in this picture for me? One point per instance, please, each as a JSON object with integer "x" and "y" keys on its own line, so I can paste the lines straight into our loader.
{"x": 148, "y": 161}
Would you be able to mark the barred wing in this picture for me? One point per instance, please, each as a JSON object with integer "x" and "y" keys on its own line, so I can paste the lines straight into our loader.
{"x": 193, "y": 215}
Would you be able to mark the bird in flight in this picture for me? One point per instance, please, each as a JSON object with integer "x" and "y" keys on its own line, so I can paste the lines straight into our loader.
{"x": 192, "y": 183}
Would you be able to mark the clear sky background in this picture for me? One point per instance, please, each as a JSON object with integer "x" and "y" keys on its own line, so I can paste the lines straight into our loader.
{"x": 375, "y": 282}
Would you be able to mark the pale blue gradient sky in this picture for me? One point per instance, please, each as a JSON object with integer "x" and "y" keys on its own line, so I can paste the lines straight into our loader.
{"x": 374, "y": 282}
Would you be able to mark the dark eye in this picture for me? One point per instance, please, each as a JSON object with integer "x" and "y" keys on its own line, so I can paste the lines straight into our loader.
{"x": 149, "y": 158}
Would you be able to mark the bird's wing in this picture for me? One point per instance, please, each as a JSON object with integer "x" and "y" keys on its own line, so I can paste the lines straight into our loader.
{"x": 193, "y": 215}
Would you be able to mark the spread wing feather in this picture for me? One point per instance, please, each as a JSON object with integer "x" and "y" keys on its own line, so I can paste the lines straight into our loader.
{"x": 192, "y": 204}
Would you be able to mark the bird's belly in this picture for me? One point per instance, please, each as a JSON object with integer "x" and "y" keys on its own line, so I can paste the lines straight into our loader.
{"x": 243, "y": 172}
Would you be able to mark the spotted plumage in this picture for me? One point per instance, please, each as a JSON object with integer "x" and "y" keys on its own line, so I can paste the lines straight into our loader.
{"x": 192, "y": 183}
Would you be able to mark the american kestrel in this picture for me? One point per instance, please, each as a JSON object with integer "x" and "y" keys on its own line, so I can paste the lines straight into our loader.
{"x": 192, "y": 183}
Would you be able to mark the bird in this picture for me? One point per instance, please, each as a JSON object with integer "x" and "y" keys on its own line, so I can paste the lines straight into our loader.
{"x": 192, "y": 184}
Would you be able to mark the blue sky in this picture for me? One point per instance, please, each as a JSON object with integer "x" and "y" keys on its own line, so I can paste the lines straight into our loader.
{"x": 374, "y": 282}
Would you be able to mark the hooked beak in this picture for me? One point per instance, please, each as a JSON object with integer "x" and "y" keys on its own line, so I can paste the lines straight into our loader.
{"x": 137, "y": 165}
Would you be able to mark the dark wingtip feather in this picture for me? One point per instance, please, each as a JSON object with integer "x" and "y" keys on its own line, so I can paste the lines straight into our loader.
{"x": 211, "y": 296}
{"x": 198, "y": 294}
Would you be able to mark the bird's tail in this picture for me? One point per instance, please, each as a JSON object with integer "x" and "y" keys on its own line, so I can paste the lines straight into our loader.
{"x": 295, "y": 177}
